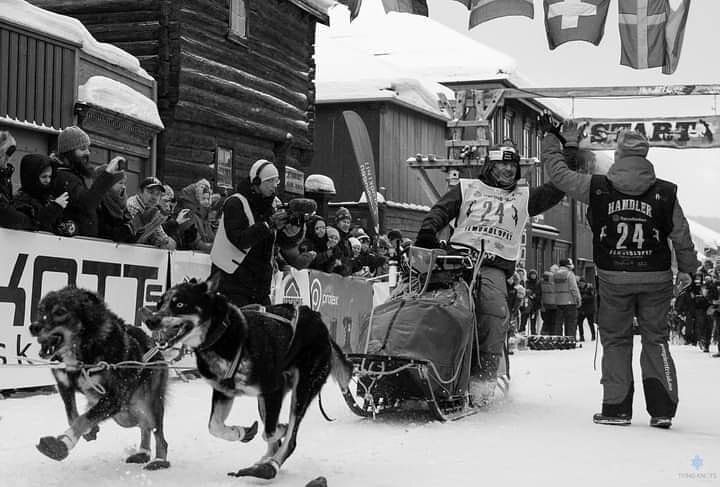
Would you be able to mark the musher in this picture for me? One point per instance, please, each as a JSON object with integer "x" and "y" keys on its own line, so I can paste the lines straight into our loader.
{"x": 492, "y": 208}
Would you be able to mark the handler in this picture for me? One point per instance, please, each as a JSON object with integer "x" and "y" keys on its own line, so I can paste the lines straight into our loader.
{"x": 243, "y": 247}
{"x": 492, "y": 209}
{"x": 632, "y": 214}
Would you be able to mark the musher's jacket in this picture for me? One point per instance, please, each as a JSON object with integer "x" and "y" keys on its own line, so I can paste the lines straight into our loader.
{"x": 644, "y": 210}
{"x": 535, "y": 201}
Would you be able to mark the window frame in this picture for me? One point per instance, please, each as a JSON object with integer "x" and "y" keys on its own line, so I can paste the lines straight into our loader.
{"x": 234, "y": 33}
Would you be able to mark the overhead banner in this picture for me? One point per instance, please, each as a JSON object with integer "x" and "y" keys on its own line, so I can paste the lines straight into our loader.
{"x": 668, "y": 132}
{"x": 33, "y": 264}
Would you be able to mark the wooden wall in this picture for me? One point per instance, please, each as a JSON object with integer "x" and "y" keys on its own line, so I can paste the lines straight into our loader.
{"x": 212, "y": 90}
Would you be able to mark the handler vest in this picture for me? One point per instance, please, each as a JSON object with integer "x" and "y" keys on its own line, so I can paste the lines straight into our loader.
{"x": 224, "y": 253}
{"x": 493, "y": 215}
{"x": 630, "y": 233}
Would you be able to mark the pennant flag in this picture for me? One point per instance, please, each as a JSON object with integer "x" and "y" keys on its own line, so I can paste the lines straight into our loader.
{"x": 642, "y": 33}
{"x": 418, "y": 7}
{"x": 353, "y": 5}
{"x": 674, "y": 35}
{"x": 575, "y": 20}
{"x": 484, "y": 10}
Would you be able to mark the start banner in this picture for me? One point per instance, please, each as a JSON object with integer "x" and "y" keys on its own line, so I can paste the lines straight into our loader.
{"x": 669, "y": 132}
{"x": 33, "y": 264}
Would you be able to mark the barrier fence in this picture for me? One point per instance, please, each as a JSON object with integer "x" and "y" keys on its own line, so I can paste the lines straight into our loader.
{"x": 131, "y": 276}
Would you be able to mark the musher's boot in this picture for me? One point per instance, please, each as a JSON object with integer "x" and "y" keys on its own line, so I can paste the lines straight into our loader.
{"x": 660, "y": 422}
{"x": 482, "y": 386}
{"x": 619, "y": 420}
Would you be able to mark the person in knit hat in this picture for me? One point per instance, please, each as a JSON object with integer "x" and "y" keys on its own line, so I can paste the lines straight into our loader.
{"x": 35, "y": 197}
{"x": 343, "y": 221}
{"x": 635, "y": 218}
{"x": 331, "y": 260}
{"x": 75, "y": 176}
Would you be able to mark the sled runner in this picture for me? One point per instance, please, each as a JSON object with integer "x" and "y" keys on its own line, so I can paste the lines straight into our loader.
{"x": 419, "y": 345}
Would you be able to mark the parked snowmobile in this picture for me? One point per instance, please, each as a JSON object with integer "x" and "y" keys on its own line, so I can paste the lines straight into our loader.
{"x": 420, "y": 345}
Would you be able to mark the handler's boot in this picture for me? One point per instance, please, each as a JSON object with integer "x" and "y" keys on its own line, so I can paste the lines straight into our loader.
{"x": 482, "y": 386}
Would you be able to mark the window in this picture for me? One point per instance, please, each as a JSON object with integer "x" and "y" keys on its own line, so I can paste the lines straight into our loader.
{"x": 538, "y": 175}
{"x": 526, "y": 142}
{"x": 507, "y": 128}
{"x": 238, "y": 19}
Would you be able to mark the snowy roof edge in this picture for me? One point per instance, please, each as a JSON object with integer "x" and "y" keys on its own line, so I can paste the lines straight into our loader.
{"x": 318, "y": 8}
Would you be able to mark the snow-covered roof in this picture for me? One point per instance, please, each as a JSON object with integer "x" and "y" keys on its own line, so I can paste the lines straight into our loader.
{"x": 319, "y": 8}
{"x": 703, "y": 237}
{"x": 34, "y": 18}
{"x": 113, "y": 95}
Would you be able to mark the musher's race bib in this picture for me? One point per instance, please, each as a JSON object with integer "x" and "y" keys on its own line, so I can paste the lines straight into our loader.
{"x": 493, "y": 215}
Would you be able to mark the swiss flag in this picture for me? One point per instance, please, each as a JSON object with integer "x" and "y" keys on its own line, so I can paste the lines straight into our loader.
{"x": 575, "y": 20}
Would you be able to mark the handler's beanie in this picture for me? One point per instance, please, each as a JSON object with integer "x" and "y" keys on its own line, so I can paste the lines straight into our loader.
{"x": 267, "y": 170}
{"x": 72, "y": 138}
{"x": 632, "y": 143}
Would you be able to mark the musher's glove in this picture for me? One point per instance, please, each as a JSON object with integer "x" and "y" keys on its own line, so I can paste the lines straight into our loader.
{"x": 572, "y": 131}
{"x": 427, "y": 239}
{"x": 548, "y": 125}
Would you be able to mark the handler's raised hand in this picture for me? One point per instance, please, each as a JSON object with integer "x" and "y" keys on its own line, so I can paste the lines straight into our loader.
{"x": 62, "y": 200}
{"x": 572, "y": 131}
{"x": 114, "y": 166}
{"x": 547, "y": 124}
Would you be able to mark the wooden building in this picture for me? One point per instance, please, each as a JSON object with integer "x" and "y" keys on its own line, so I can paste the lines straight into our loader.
{"x": 49, "y": 68}
{"x": 235, "y": 77}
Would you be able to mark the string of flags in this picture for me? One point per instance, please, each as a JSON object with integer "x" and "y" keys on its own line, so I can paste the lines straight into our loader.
{"x": 651, "y": 31}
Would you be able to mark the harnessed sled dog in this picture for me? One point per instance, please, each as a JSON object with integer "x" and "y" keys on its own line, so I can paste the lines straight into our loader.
{"x": 251, "y": 352}
{"x": 75, "y": 327}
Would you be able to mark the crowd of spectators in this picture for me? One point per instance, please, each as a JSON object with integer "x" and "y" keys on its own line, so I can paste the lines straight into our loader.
{"x": 695, "y": 314}
{"x": 64, "y": 194}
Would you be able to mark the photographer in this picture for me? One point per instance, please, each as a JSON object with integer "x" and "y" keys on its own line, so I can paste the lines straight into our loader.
{"x": 243, "y": 247}
{"x": 289, "y": 241}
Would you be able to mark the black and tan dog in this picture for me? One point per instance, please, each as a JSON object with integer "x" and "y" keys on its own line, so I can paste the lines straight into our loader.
{"x": 75, "y": 327}
{"x": 252, "y": 352}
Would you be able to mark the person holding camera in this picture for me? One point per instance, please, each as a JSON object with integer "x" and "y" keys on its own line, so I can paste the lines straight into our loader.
{"x": 75, "y": 177}
{"x": 242, "y": 251}
{"x": 491, "y": 210}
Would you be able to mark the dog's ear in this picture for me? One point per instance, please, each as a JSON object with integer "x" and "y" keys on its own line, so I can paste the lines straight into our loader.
{"x": 213, "y": 282}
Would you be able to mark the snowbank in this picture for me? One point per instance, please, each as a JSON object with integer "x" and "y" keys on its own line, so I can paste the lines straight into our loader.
{"x": 107, "y": 93}
{"x": 70, "y": 29}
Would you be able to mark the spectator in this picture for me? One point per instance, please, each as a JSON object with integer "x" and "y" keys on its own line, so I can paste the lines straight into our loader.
{"x": 74, "y": 177}
{"x": 197, "y": 197}
{"x": 382, "y": 249}
{"x": 548, "y": 310}
{"x": 532, "y": 298}
{"x": 330, "y": 261}
{"x": 35, "y": 197}
{"x": 367, "y": 258}
{"x": 343, "y": 221}
{"x": 178, "y": 225}
{"x": 354, "y": 263}
{"x": 703, "y": 293}
{"x": 396, "y": 239}
{"x": 145, "y": 205}
{"x": 289, "y": 243}
{"x": 567, "y": 298}
{"x": 316, "y": 234}
{"x": 114, "y": 220}
{"x": 9, "y": 216}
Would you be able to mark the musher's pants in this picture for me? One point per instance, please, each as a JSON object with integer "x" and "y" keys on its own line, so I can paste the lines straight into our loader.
{"x": 491, "y": 310}
{"x": 650, "y": 304}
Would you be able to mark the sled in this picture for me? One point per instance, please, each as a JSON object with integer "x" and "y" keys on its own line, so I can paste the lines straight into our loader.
{"x": 418, "y": 346}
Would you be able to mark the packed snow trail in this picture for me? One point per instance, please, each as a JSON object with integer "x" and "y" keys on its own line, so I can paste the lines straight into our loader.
{"x": 542, "y": 435}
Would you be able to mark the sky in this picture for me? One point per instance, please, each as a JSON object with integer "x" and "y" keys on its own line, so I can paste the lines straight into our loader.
{"x": 696, "y": 172}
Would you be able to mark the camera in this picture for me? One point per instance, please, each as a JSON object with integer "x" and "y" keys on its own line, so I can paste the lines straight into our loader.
{"x": 298, "y": 210}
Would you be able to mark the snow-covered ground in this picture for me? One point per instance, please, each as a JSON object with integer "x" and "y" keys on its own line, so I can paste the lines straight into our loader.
{"x": 542, "y": 435}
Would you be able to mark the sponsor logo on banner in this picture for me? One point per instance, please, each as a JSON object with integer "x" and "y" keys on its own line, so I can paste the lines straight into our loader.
{"x": 670, "y": 132}
{"x": 126, "y": 277}
{"x": 315, "y": 294}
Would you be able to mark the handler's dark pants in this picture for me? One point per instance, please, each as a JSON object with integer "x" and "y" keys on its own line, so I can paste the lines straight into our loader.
{"x": 590, "y": 315}
{"x": 650, "y": 304}
{"x": 492, "y": 315}
{"x": 567, "y": 315}
{"x": 548, "y": 321}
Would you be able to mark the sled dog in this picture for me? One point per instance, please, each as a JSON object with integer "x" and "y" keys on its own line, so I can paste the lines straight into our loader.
{"x": 75, "y": 327}
{"x": 257, "y": 352}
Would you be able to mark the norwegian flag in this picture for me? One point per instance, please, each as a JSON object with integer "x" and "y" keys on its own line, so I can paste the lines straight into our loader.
{"x": 642, "y": 33}
{"x": 484, "y": 10}
{"x": 575, "y": 20}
